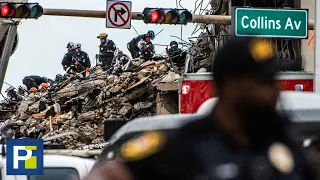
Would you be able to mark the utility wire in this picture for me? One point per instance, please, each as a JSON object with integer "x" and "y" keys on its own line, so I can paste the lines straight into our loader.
{"x": 159, "y": 32}
{"x": 135, "y": 30}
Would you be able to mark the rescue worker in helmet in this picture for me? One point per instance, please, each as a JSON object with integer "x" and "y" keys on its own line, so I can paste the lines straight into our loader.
{"x": 22, "y": 90}
{"x": 176, "y": 54}
{"x": 59, "y": 78}
{"x": 133, "y": 45}
{"x": 124, "y": 60}
{"x": 67, "y": 59}
{"x": 106, "y": 51}
{"x": 80, "y": 61}
{"x": 13, "y": 96}
{"x": 35, "y": 81}
{"x": 44, "y": 87}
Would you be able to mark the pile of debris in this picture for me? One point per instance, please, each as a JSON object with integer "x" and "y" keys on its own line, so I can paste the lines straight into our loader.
{"x": 78, "y": 107}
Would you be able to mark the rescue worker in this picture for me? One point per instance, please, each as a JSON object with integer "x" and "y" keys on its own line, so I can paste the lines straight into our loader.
{"x": 22, "y": 90}
{"x": 14, "y": 98}
{"x": 67, "y": 59}
{"x": 122, "y": 63}
{"x": 244, "y": 137}
{"x": 146, "y": 50}
{"x": 176, "y": 54}
{"x": 106, "y": 52}
{"x": 35, "y": 81}
{"x": 44, "y": 87}
{"x": 59, "y": 78}
{"x": 80, "y": 61}
{"x": 124, "y": 60}
{"x": 133, "y": 44}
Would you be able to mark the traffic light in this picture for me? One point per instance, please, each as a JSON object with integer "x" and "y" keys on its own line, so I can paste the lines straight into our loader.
{"x": 20, "y": 10}
{"x": 166, "y": 16}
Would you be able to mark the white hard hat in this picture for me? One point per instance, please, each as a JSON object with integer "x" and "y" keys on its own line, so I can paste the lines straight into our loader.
{"x": 141, "y": 44}
{"x": 78, "y": 45}
{"x": 72, "y": 45}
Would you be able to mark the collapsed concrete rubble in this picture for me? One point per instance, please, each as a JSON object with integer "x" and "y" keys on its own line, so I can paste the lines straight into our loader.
{"x": 79, "y": 107}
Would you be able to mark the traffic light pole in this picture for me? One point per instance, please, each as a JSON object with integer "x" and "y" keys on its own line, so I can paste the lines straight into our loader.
{"x": 7, "y": 48}
{"x": 205, "y": 19}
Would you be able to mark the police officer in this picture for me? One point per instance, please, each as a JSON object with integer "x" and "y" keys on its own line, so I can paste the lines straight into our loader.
{"x": 176, "y": 54}
{"x": 133, "y": 46}
{"x": 243, "y": 138}
{"x": 80, "y": 61}
{"x": 67, "y": 59}
{"x": 35, "y": 81}
{"x": 106, "y": 52}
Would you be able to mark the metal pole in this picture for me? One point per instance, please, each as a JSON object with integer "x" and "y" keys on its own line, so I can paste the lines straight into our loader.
{"x": 205, "y": 19}
{"x": 6, "y": 52}
{"x": 316, "y": 80}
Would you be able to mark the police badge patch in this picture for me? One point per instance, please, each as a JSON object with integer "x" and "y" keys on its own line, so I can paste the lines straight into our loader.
{"x": 281, "y": 158}
{"x": 146, "y": 145}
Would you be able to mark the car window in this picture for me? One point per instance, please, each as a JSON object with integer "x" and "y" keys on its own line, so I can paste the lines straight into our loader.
{"x": 57, "y": 174}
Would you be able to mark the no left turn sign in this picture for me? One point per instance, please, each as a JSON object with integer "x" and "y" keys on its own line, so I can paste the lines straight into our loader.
{"x": 119, "y": 14}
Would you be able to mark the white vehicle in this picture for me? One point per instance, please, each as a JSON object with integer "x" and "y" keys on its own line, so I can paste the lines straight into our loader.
{"x": 56, "y": 167}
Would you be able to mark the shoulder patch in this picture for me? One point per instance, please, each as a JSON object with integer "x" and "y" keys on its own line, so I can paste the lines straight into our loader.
{"x": 261, "y": 50}
{"x": 146, "y": 145}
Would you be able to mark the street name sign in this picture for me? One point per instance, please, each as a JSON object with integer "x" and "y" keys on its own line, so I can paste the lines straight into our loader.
{"x": 280, "y": 23}
{"x": 118, "y": 14}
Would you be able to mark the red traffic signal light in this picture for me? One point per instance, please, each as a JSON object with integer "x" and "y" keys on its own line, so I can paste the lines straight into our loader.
{"x": 20, "y": 10}
{"x": 166, "y": 16}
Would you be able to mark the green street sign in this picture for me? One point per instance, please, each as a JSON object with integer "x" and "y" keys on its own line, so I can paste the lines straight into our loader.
{"x": 281, "y": 23}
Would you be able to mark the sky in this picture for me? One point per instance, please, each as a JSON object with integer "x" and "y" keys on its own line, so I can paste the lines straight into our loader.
{"x": 42, "y": 42}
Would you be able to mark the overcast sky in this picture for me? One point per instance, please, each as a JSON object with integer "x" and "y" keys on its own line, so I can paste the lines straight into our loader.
{"x": 42, "y": 42}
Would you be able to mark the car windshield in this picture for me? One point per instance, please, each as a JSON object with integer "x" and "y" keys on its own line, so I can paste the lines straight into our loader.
{"x": 57, "y": 174}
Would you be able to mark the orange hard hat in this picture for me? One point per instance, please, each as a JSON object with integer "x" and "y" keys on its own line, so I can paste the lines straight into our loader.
{"x": 33, "y": 89}
{"x": 45, "y": 85}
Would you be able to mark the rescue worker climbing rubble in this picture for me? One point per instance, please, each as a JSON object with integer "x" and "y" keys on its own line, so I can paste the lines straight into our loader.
{"x": 122, "y": 62}
{"x": 35, "y": 81}
{"x": 80, "y": 61}
{"x": 22, "y": 90}
{"x": 243, "y": 136}
{"x": 14, "y": 98}
{"x": 133, "y": 45}
{"x": 106, "y": 51}
{"x": 176, "y": 54}
{"x": 67, "y": 59}
{"x": 44, "y": 86}
{"x": 125, "y": 61}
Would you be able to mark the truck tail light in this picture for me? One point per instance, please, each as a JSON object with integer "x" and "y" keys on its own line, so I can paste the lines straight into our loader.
{"x": 298, "y": 87}
{"x": 185, "y": 89}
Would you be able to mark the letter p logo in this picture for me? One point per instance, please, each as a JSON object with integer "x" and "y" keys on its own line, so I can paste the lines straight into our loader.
{"x": 29, "y": 160}
{"x": 25, "y": 157}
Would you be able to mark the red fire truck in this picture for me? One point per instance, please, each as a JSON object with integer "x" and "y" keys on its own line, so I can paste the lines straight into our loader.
{"x": 196, "y": 88}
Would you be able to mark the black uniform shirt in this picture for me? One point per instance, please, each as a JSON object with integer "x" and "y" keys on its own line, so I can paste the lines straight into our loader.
{"x": 107, "y": 48}
{"x": 67, "y": 59}
{"x": 201, "y": 151}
